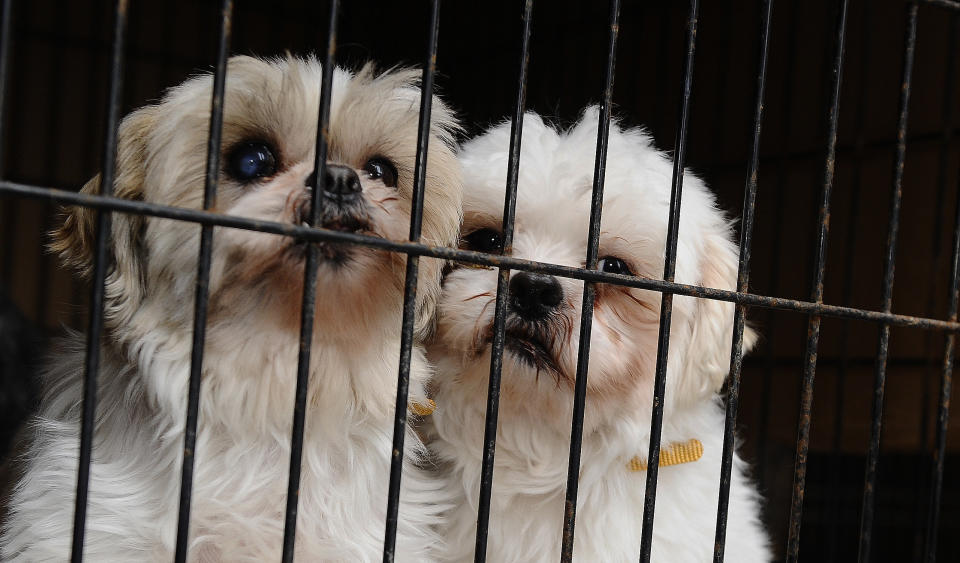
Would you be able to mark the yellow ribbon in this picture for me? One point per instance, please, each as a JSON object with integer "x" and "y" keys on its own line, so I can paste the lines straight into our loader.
{"x": 421, "y": 409}
{"x": 674, "y": 454}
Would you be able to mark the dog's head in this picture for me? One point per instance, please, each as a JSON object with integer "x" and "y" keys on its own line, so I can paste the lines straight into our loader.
{"x": 552, "y": 216}
{"x": 256, "y": 279}
{"x": 269, "y": 130}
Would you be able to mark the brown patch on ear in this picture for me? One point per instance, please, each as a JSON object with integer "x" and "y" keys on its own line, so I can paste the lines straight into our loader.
{"x": 74, "y": 239}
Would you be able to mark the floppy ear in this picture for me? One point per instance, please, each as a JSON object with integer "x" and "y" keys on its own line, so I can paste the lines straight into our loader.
{"x": 443, "y": 215}
{"x": 74, "y": 239}
{"x": 441, "y": 228}
{"x": 708, "y": 356}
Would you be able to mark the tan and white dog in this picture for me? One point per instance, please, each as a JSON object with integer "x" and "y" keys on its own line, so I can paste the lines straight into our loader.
{"x": 539, "y": 367}
{"x": 250, "y": 364}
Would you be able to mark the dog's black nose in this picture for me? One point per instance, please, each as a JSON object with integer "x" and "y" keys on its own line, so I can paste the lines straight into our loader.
{"x": 341, "y": 181}
{"x": 534, "y": 296}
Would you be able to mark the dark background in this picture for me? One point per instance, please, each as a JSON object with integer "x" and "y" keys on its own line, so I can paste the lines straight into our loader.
{"x": 56, "y": 100}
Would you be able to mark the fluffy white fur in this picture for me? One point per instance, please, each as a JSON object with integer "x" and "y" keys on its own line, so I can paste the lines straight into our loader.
{"x": 250, "y": 364}
{"x": 552, "y": 214}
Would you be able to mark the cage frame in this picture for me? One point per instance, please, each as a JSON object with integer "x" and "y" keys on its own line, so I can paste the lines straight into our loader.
{"x": 815, "y": 309}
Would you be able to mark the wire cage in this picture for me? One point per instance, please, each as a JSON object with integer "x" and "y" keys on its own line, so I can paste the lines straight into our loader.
{"x": 840, "y": 90}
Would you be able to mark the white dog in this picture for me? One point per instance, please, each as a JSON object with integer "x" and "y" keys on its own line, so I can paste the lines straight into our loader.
{"x": 536, "y": 399}
{"x": 250, "y": 365}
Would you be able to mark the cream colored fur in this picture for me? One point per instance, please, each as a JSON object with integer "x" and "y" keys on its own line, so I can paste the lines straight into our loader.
{"x": 533, "y": 437}
{"x": 250, "y": 364}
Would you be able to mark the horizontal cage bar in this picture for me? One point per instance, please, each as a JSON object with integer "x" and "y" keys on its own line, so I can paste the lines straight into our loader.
{"x": 467, "y": 256}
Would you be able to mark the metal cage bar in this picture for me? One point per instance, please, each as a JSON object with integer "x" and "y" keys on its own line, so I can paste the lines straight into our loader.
{"x": 468, "y": 257}
{"x": 95, "y": 326}
{"x": 203, "y": 282}
{"x": 666, "y": 303}
{"x": 106, "y": 204}
{"x": 6, "y": 15}
{"x": 850, "y": 245}
{"x": 788, "y": 95}
{"x": 309, "y": 291}
{"x": 949, "y": 4}
{"x": 946, "y": 384}
{"x": 8, "y": 212}
{"x": 943, "y": 166}
{"x": 816, "y": 296}
{"x": 410, "y": 286}
{"x": 743, "y": 278}
{"x": 500, "y": 306}
{"x": 890, "y": 259}
{"x": 586, "y": 313}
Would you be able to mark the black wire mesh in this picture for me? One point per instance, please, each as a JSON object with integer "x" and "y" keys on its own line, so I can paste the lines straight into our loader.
{"x": 743, "y": 277}
{"x": 95, "y": 325}
{"x": 203, "y": 283}
{"x": 410, "y": 284}
{"x": 309, "y": 292}
{"x": 814, "y": 306}
{"x": 500, "y": 306}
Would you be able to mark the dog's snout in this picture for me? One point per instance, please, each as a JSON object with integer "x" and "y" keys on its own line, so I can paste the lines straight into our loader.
{"x": 341, "y": 181}
{"x": 534, "y": 296}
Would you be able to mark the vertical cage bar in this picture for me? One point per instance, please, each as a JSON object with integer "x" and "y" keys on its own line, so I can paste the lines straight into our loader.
{"x": 666, "y": 303}
{"x": 786, "y": 128}
{"x": 926, "y": 539}
{"x": 203, "y": 283}
{"x": 834, "y": 498}
{"x": 586, "y": 314}
{"x": 307, "y": 310}
{"x": 743, "y": 277}
{"x": 500, "y": 307}
{"x": 873, "y": 451}
{"x": 943, "y": 406}
{"x": 8, "y": 212}
{"x": 95, "y": 326}
{"x": 410, "y": 286}
{"x": 816, "y": 295}
{"x": 5, "y": 27}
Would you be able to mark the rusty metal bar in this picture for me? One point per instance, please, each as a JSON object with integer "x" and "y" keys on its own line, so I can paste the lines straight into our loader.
{"x": 666, "y": 303}
{"x": 873, "y": 451}
{"x": 832, "y": 511}
{"x": 410, "y": 285}
{"x": 500, "y": 306}
{"x": 309, "y": 292}
{"x": 778, "y": 191}
{"x": 816, "y": 296}
{"x": 316, "y": 234}
{"x": 946, "y": 379}
{"x": 586, "y": 312}
{"x": 95, "y": 326}
{"x": 743, "y": 278}
{"x": 926, "y": 514}
{"x": 6, "y": 16}
{"x": 949, "y": 4}
{"x": 203, "y": 283}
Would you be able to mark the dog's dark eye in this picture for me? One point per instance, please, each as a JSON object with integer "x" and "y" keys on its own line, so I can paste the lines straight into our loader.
{"x": 614, "y": 265}
{"x": 251, "y": 160}
{"x": 379, "y": 168}
{"x": 484, "y": 240}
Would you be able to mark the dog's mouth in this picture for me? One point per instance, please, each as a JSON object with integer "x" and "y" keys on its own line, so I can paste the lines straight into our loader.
{"x": 342, "y": 218}
{"x": 529, "y": 347}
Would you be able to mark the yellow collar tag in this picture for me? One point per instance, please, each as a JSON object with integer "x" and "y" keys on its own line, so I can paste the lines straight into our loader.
{"x": 421, "y": 409}
{"x": 674, "y": 454}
